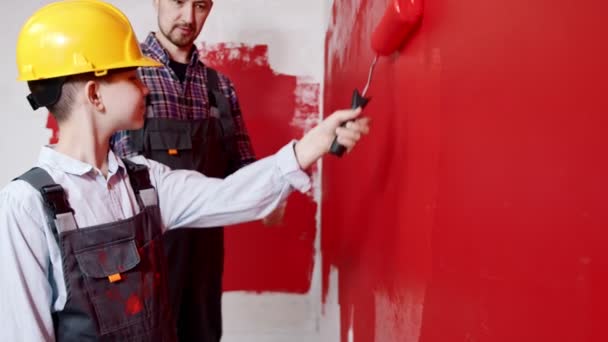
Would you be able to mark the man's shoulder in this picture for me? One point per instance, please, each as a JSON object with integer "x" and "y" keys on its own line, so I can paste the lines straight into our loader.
{"x": 221, "y": 76}
{"x": 224, "y": 82}
{"x": 147, "y": 43}
{"x": 149, "y": 51}
{"x": 145, "y": 48}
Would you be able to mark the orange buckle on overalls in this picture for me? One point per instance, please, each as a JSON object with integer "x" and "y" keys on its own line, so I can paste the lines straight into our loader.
{"x": 172, "y": 151}
{"x": 115, "y": 277}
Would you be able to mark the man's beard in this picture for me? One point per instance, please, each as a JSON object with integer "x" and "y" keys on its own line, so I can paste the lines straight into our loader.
{"x": 178, "y": 39}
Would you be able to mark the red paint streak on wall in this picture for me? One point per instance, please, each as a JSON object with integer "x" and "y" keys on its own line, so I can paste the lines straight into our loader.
{"x": 260, "y": 258}
{"x": 275, "y": 108}
{"x": 51, "y": 124}
{"x": 475, "y": 211}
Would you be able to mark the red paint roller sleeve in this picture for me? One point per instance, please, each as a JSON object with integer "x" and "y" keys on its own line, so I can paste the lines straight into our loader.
{"x": 400, "y": 18}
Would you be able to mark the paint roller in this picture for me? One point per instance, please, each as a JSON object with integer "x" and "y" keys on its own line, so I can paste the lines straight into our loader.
{"x": 400, "y": 19}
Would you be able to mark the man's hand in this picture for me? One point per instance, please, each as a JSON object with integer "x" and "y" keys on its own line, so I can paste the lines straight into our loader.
{"x": 317, "y": 141}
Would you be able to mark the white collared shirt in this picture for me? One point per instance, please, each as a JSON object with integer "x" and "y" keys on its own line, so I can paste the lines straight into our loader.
{"x": 32, "y": 285}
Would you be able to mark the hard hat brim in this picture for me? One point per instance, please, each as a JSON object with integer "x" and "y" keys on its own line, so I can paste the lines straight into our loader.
{"x": 148, "y": 62}
{"x": 144, "y": 61}
{"x": 141, "y": 62}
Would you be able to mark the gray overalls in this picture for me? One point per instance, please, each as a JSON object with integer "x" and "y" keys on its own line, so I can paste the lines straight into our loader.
{"x": 115, "y": 273}
{"x": 195, "y": 256}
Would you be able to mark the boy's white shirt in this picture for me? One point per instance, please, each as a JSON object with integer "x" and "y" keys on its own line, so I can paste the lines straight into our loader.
{"x": 33, "y": 286}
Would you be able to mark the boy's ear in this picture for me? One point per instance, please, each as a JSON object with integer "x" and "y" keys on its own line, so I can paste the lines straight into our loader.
{"x": 93, "y": 95}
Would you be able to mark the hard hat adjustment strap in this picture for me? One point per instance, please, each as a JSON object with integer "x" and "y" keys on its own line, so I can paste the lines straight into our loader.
{"x": 48, "y": 94}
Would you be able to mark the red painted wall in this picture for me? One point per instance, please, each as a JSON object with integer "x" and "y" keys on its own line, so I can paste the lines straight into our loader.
{"x": 476, "y": 210}
{"x": 260, "y": 258}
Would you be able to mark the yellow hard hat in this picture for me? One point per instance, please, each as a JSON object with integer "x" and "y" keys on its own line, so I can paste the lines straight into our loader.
{"x": 74, "y": 37}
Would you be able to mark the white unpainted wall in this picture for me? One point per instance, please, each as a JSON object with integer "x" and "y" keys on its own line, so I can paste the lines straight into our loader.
{"x": 294, "y": 31}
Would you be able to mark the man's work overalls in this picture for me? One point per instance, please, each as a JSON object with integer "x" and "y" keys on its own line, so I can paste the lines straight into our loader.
{"x": 195, "y": 256}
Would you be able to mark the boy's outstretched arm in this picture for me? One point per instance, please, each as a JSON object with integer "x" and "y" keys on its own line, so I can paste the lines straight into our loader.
{"x": 189, "y": 199}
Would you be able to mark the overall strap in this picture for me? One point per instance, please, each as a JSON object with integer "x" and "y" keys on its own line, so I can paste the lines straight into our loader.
{"x": 60, "y": 215}
{"x": 140, "y": 182}
{"x": 218, "y": 100}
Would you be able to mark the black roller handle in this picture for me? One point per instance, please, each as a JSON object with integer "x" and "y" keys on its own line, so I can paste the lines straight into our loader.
{"x": 357, "y": 101}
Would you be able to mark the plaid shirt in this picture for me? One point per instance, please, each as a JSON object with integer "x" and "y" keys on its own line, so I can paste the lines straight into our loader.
{"x": 171, "y": 99}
